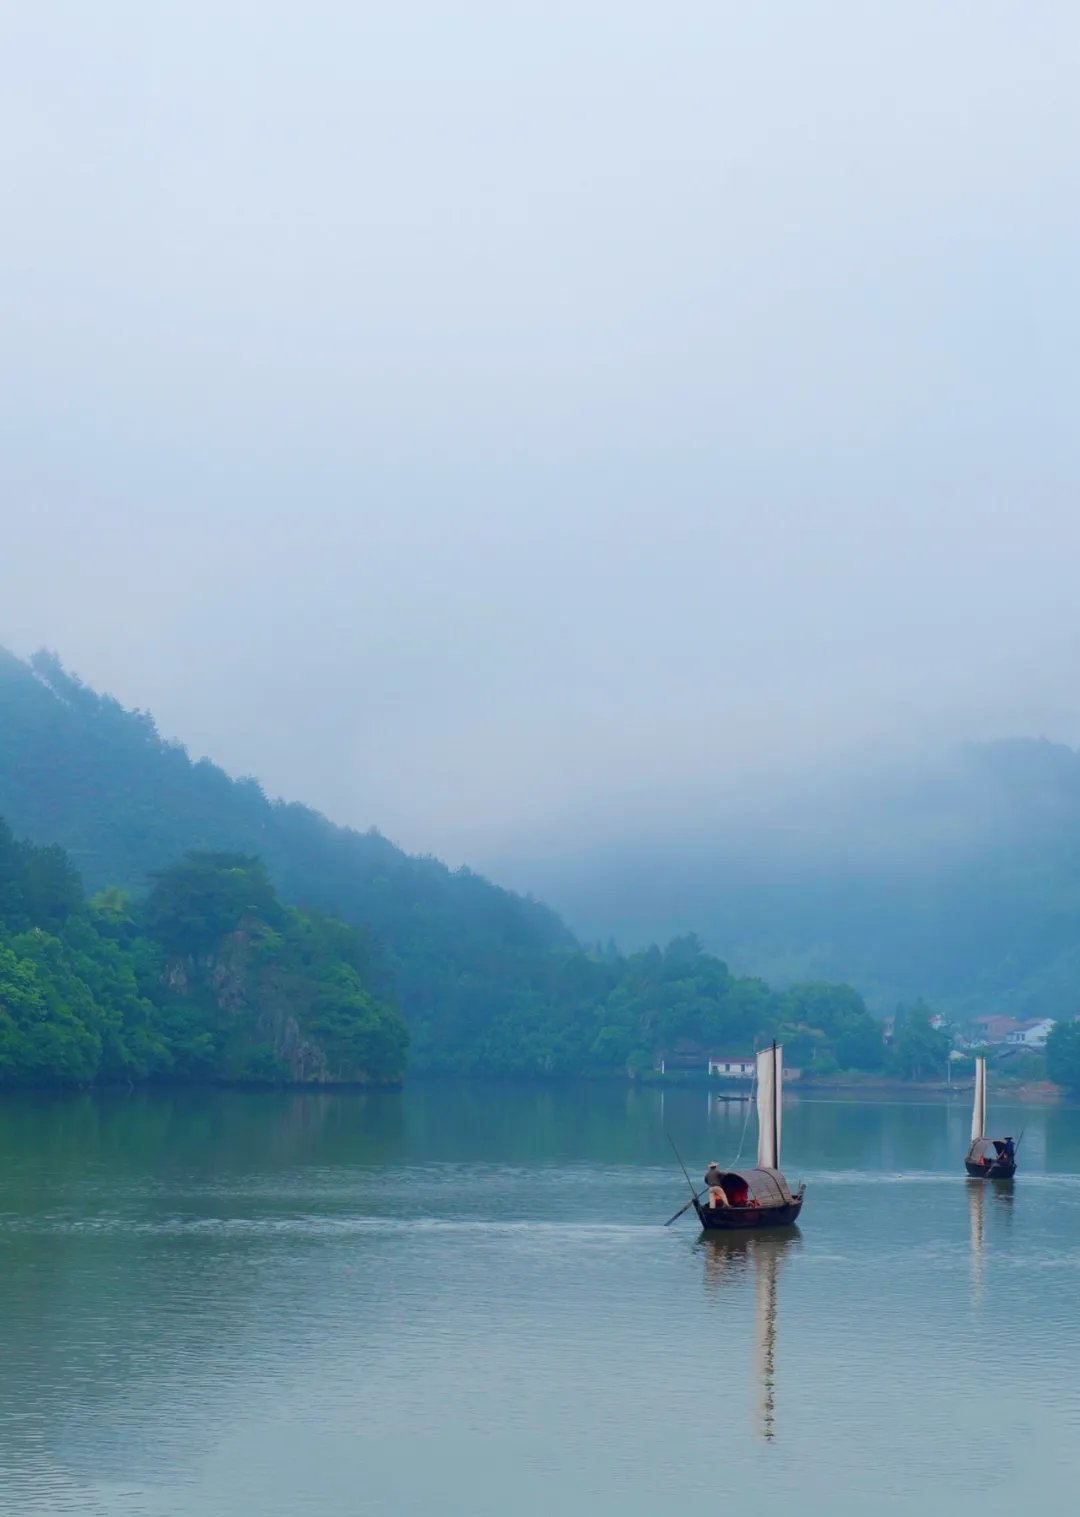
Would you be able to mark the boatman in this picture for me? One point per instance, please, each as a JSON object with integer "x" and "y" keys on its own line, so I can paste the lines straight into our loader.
{"x": 713, "y": 1184}
{"x": 1008, "y": 1150}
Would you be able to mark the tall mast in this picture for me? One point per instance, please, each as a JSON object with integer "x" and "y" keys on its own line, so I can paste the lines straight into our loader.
{"x": 775, "y": 1109}
{"x": 770, "y": 1068}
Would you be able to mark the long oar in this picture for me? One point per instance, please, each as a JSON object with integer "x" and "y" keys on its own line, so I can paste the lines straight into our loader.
{"x": 693, "y": 1190}
{"x": 680, "y": 1211}
{"x": 682, "y": 1166}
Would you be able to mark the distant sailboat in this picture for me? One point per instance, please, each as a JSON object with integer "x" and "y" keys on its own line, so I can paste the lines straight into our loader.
{"x": 987, "y": 1158}
{"x": 760, "y": 1197}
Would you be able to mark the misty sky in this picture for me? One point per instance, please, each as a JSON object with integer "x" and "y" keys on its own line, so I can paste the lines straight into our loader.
{"x": 500, "y": 421}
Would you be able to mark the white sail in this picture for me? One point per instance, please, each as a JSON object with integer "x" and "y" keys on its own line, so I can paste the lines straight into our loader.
{"x": 978, "y": 1115}
{"x": 770, "y": 1072}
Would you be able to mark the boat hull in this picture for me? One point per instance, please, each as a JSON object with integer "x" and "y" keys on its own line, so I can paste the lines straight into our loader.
{"x": 997, "y": 1171}
{"x": 739, "y": 1219}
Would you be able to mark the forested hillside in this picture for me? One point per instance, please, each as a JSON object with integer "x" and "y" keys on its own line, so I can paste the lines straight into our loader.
{"x": 205, "y": 977}
{"x": 221, "y": 980}
{"x": 78, "y": 770}
{"x": 208, "y": 977}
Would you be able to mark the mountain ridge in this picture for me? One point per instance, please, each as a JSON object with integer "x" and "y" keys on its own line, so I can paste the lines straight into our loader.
{"x": 489, "y": 982}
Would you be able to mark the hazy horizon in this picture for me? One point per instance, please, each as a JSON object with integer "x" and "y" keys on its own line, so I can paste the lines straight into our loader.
{"x": 502, "y": 426}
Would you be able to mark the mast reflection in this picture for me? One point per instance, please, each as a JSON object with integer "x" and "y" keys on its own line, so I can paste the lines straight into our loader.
{"x": 1002, "y": 1196}
{"x": 977, "y": 1219}
{"x": 729, "y": 1259}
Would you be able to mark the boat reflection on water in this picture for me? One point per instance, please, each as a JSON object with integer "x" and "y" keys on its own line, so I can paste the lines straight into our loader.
{"x": 976, "y": 1190}
{"x": 1003, "y": 1195}
{"x": 732, "y": 1258}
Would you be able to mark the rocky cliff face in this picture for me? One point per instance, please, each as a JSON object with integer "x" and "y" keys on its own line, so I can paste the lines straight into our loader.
{"x": 270, "y": 1020}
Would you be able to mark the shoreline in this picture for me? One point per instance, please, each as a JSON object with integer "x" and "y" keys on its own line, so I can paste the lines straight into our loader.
{"x": 1038, "y": 1091}
{"x": 874, "y": 1088}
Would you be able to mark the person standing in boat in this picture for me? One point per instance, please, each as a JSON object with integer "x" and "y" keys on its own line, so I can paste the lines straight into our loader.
{"x": 714, "y": 1185}
{"x": 1008, "y": 1150}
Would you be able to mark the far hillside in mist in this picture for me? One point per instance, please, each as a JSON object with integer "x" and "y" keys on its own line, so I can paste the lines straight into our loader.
{"x": 956, "y": 879}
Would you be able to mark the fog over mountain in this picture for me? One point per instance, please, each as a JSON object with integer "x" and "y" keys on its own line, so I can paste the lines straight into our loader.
{"x": 531, "y": 427}
{"x": 955, "y": 879}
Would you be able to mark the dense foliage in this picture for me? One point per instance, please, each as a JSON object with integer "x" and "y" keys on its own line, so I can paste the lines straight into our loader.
{"x": 79, "y": 771}
{"x": 208, "y": 977}
{"x": 219, "y": 970}
{"x": 1063, "y": 1055}
{"x": 919, "y": 1050}
{"x": 609, "y": 1012}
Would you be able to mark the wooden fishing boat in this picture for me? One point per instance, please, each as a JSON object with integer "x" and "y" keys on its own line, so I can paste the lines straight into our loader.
{"x": 758, "y": 1197}
{"x": 987, "y": 1158}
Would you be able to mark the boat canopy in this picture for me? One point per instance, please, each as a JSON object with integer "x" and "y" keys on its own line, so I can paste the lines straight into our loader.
{"x": 765, "y": 1186}
{"x": 993, "y": 1148}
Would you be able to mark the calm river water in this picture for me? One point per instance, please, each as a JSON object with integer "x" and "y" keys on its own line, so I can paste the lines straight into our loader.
{"x": 461, "y": 1302}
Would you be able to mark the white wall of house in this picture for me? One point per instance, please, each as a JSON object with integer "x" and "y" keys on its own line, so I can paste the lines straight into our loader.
{"x": 1034, "y": 1036}
{"x": 732, "y": 1069}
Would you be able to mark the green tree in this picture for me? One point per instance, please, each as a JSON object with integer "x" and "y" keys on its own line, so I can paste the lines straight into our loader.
{"x": 823, "y": 1004}
{"x": 831, "y": 1022}
{"x": 861, "y": 1045}
{"x": 919, "y": 1051}
{"x": 197, "y": 902}
{"x": 47, "y": 1016}
{"x": 210, "y": 977}
{"x": 1063, "y": 1054}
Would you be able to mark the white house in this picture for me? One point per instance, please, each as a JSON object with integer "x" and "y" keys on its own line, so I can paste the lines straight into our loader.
{"x": 1031, "y": 1034}
{"x": 729, "y": 1068}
